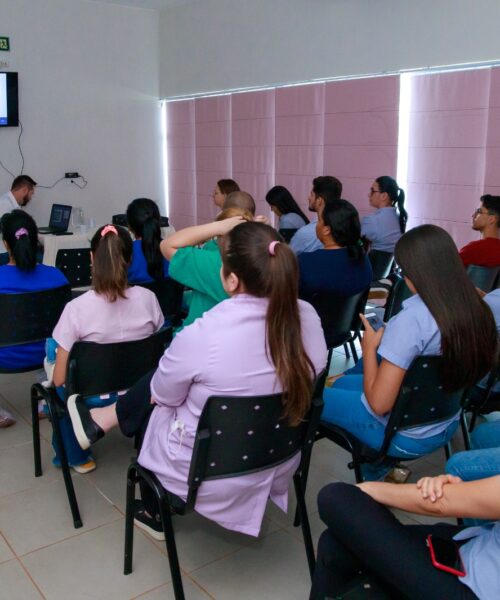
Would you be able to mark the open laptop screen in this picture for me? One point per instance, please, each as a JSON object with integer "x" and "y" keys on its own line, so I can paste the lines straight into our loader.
{"x": 59, "y": 216}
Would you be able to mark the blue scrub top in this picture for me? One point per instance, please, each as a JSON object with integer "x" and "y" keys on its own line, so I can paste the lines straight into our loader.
{"x": 138, "y": 270}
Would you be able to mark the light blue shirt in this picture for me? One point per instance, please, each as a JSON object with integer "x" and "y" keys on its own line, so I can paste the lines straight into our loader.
{"x": 305, "y": 240}
{"x": 412, "y": 332}
{"x": 493, "y": 301}
{"x": 382, "y": 228}
{"x": 481, "y": 558}
{"x": 291, "y": 221}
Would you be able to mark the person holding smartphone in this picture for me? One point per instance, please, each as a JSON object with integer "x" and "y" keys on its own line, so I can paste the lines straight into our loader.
{"x": 459, "y": 326}
{"x": 435, "y": 562}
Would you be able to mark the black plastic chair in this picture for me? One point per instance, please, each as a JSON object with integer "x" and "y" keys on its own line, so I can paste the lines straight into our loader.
{"x": 381, "y": 263}
{"x": 421, "y": 401}
{"x": 121, "y": 219}
{"x": 340, "y": 320}
{"x": 287, "y": 234}
{"x": 398, "y": 294}
{"x": 223, "y": 448}
{"x": 94, "y": 369}
{"x": 484, "y": 278}
{"x": 169, "y": 294}
{"x": 30, "y": 317}
{"x": 75, "y": 264}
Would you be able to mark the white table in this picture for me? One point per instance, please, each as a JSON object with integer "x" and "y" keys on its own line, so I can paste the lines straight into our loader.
{"x": 53, "y": 243}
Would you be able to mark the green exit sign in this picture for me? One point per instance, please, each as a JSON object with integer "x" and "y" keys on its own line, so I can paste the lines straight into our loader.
{"x": 4, "y": 44}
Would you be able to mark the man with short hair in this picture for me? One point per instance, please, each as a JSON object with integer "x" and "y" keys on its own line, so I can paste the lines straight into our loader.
{"x": 323, "y": 188}
{"x": 21, "y": 192}
{"x": 486, "y": 219}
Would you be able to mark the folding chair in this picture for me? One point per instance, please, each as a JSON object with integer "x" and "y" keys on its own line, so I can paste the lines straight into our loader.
{"x": 169, "y": 294}
{"x": 484, "y": 278}
{"x": 381, "y": 263}
{"x": 75, "y": 264}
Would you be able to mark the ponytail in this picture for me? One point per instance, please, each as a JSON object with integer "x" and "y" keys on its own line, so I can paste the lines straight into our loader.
{"x": 111, "y": 249}
{"x": 397, "y": 197}
{"x": 268, "y": 268}
{"x": 143, "y": 217}
{"x": 20, "y": 233}
{"x": 343, "y": 220}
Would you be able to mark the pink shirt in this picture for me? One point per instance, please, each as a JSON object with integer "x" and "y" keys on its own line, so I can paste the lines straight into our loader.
{"x": 221, "y": 353}
{"x": 91, "y": 318}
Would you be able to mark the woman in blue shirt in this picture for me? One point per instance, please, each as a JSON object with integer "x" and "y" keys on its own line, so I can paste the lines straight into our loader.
{"x": 23, "y": 274}
{"x": 147, "y": 264}
{"x": 445, "y": 316}
{"x": 341, "y": 265}
{"x": 285, "y": 207}
{"x": 387, "y": 224}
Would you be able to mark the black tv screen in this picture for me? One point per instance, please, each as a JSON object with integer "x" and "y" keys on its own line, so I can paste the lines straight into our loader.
{"x": 9, "y": 104}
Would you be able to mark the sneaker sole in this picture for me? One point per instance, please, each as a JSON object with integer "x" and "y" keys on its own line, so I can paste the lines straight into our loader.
{"x": 159, "y": 536}
{"x": 76, "y": 422}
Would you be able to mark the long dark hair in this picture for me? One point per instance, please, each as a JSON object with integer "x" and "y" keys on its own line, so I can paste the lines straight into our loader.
{"x": 429, "y": 258}
{"x": 343, "y": 219}
{"x": 111, "y": 249}
{"x": 20, "y": 232}
{"x": 280, "y": 197}
{"x": 397, "y": 197}
{"x": 245, "y": 252}
{"x": 143, "y": 217}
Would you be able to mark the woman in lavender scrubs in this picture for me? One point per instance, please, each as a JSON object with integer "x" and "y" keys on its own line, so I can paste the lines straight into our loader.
{"x": 261, "y": 340}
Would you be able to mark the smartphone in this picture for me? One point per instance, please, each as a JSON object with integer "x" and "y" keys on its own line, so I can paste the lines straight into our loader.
{"x": 445, "y": 555}
{"x": 374, "y": 320}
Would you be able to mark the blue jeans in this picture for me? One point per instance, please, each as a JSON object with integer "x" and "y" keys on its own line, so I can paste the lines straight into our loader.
{"x": 343, "y": 407}
{"x": 484, "y": 460}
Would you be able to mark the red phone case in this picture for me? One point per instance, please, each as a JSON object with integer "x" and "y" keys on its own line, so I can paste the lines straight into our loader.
{"x": 442, "y": 567}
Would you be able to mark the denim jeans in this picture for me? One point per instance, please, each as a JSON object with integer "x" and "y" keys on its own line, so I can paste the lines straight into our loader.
{"x": 343, "y": 407}
{"x": 484, "y": 460}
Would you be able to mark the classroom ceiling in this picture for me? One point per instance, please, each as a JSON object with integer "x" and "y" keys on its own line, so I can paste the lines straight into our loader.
{"x": 151, "y": 4}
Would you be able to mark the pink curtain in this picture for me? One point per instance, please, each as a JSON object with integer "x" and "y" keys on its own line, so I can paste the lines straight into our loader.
{"x": 447, "y": 149}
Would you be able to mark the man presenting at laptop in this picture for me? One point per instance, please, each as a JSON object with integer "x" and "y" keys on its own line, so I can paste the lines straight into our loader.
{"x": 21, "y": 192}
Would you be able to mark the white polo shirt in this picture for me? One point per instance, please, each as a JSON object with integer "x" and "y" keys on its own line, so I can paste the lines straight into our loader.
{"x": 7, "y": 204}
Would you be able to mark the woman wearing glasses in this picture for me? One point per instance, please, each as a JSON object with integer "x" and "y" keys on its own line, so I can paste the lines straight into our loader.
{"x": 388, "y": 223}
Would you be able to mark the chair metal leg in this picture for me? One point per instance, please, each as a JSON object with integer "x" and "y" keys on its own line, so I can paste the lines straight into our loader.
{"x": 35, "y": 427}
{"x": 447, "y": 450}
{"x": 329, "y": 360}
{"x": 304, "y": 520}
{"x": 465, "y": 430}
{"x": 354, "y": 352}
{"x": 346, "y": 350}
{"x": 129, "y": 522}
{"x": 68, "y": 482}
{"x": 173, "y": 558}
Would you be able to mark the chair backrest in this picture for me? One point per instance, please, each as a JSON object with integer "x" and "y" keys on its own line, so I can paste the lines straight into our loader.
{"x": 75, "y": 264}
{"x": 31, "y": 316}
{"x": 421, "y": 399}
{"x": 339, "y": 314}
{"x": 381, "y": 263}
{"x": 103, "y": 368}
{"x": 398, "y": 294}
{"x": 169, "y": 294}
{"x": 287, "y": 234}
{"x": 484, "y": 278}
{"x": 242, "y": 435}
{"x": 121, "y": 219}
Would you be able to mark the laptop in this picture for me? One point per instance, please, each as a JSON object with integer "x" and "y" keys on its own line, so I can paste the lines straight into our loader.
{"x": 59, "y": 220}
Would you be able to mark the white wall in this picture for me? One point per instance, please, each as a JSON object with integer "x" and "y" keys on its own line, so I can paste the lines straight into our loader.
{"x": 88, "y": 76}
{"x": 225, "y": 44}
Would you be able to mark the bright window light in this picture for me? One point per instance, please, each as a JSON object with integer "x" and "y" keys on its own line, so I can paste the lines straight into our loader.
{"x": 404, "y": 129}
{"x": 163, "y": 108}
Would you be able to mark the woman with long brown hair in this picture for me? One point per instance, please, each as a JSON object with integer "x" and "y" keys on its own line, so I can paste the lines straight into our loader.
{"x": 445, "y": 316}
{"x": 261, "y": 340}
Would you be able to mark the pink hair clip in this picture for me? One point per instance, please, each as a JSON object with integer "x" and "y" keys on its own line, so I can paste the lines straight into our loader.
{"x": 20, "y": 232}
{"x": 272, "y": 248}
{"x": 109, "y": 229}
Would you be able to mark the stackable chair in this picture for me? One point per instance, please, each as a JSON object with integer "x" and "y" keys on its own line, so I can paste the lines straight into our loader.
{"x": 381, "y": 263}
{"x": 30, "y": 317}
{"x": 75, "y": 264}
{"x": 94, "y": 369}
{"x": 340, "y": 320}
{"x": 484, "y": 278}
{"x": 169, "y": 294}
{"x": 398, "y": 294}
{"x": 223, "y": 448}
{"x": 421, "y": 401}
{"x": 287, "y": 234}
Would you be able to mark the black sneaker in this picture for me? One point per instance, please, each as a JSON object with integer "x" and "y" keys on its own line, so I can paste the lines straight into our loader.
{"x": 149, "y": 524}
{"x": 87, "y": 431}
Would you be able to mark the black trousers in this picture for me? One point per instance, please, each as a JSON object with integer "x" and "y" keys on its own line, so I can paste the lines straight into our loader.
{"x": 133, "y": 410}
{"x": 364, "y": 536}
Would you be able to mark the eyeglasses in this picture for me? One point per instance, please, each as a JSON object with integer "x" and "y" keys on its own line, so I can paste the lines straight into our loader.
{"x": 479, "y": 211}
{"x": 372, "y": 191}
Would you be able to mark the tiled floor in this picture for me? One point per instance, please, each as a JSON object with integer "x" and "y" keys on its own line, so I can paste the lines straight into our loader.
{"x": 43, "y": 556}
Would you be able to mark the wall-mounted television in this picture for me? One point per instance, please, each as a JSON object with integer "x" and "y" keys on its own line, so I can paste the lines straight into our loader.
{"x": 9, "y": 100}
